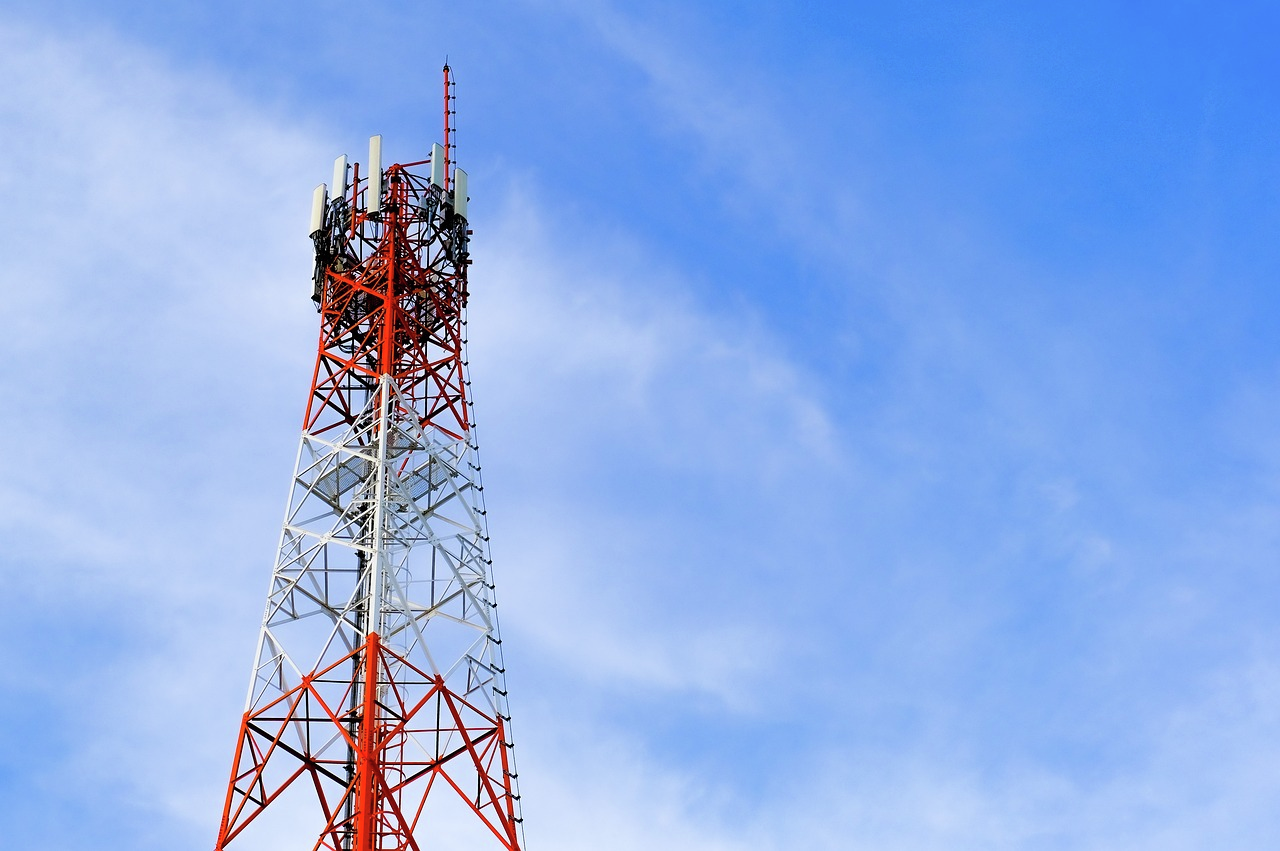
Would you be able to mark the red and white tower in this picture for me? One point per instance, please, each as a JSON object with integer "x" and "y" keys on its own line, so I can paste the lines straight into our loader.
{"x": 378, "y": 685}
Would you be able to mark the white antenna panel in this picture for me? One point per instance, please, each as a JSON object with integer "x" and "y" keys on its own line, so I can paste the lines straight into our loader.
{"x": 460, "y": 192}
{"x": 317, "y": 209}
{"x": 373, "y": 201}
{"x": 437, "y": 165}
{"x": 340, "y": 176}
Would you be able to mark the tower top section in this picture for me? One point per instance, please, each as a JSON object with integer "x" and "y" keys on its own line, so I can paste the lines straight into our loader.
{"x": 390, "y": 283}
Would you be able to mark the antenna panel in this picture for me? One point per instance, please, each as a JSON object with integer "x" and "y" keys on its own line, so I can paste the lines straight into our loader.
{"x": 460, "y": 192}
{"x": 373, "y": 201}
{"x": 437, "y": 165}
{"x": 317, "y": 209}
{"x": 340, "y": 176}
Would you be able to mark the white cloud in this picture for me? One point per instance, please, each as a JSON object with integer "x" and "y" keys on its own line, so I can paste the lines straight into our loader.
{"x": 157, "y": 266}
{"x": 164, "y": 328}
{"x": 155, "y": 273}
{"x": 603, "y": 336}
{"x": 156, "y": 280}
{"x": 608, "y": 379}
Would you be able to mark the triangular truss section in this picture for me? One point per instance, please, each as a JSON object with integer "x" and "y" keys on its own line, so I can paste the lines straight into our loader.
{"x": 383, "y": 557}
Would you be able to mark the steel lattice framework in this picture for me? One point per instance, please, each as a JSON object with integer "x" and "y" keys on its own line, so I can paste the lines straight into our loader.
{"x": 378, "y": 683}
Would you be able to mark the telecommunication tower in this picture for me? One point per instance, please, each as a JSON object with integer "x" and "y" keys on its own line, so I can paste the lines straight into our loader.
{"x": 378, "y": 686}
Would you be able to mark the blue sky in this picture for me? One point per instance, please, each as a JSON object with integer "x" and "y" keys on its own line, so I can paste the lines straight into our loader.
{"x": 878, "y": 405}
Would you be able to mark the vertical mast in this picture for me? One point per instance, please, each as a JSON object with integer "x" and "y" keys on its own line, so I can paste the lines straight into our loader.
{"x": 448, "y": 124}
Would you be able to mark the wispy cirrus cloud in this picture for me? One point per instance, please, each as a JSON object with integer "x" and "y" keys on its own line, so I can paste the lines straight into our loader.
{"x": 166, "y": 338}
{"x": 964, "y": 588}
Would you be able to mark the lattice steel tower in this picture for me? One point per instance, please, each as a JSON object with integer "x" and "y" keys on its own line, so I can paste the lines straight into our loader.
{"x": 378, "y": 692}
